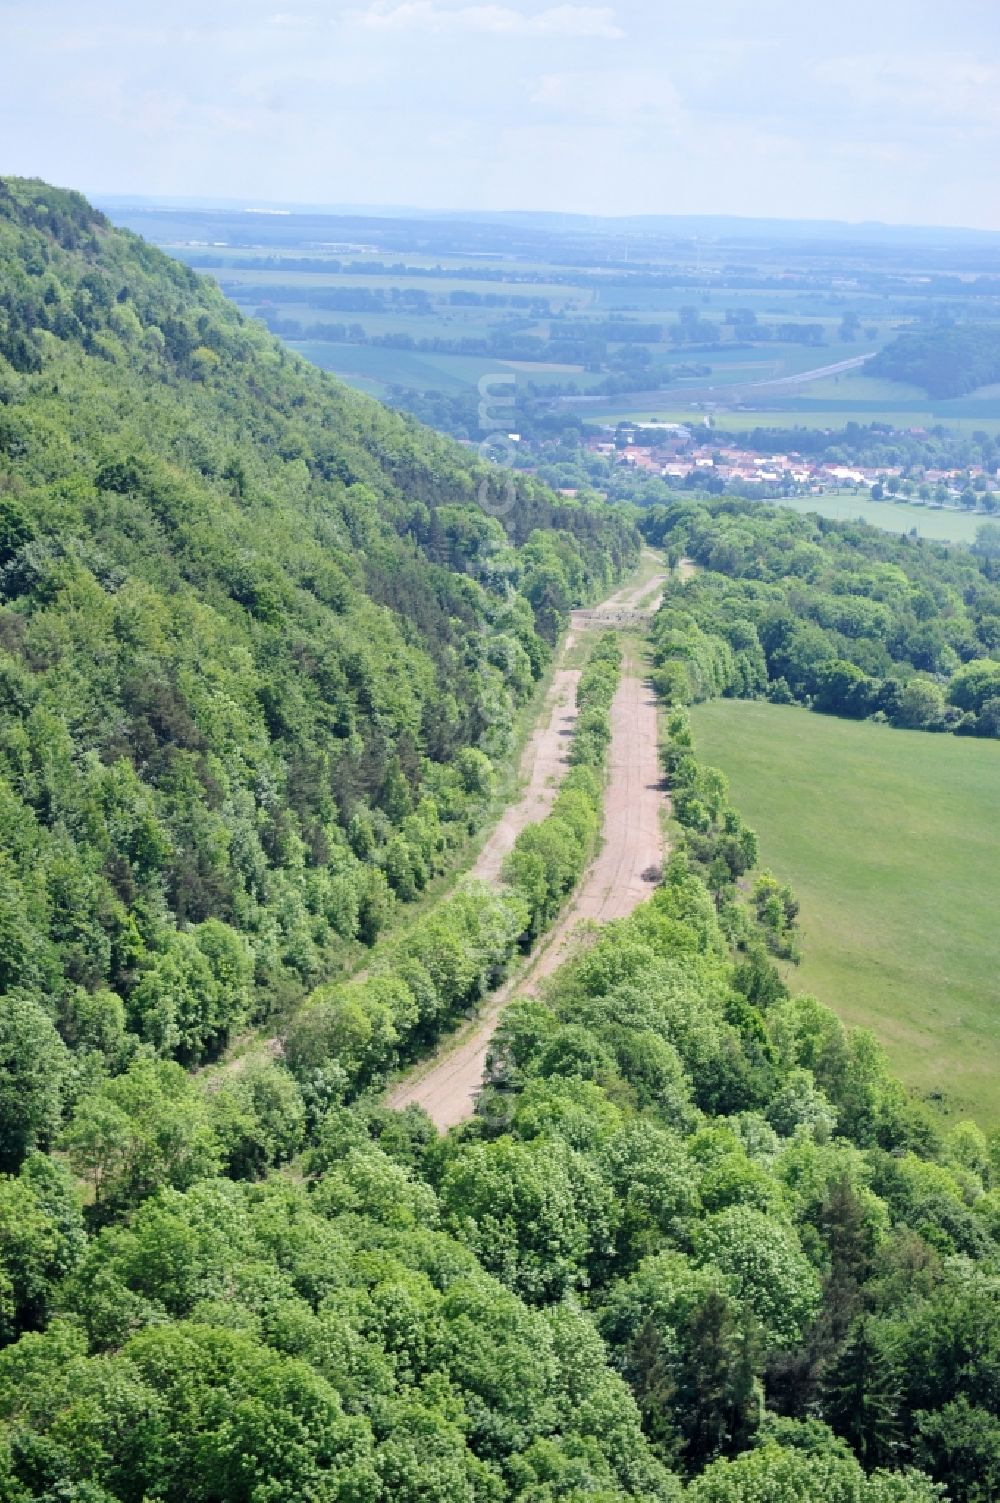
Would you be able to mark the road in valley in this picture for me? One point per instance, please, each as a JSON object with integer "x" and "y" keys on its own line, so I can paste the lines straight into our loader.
{"x": 543, "y": 766}
{"x": 447, "y": 1086}
{"x": 818, "y": 373}
{"x": 724, "y": 393}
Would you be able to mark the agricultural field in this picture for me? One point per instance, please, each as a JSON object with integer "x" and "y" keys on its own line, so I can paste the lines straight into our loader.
{"x": 736, "y": 402}
{"x": 791, "y": 413}
{"x": 232, "y": 280}
{"x": 939, "y": 523}
{"x": 593, "y": 330}
{"x": 379, "y": 367}
{"x": 375, "y": 368}
{"x": 962, "y": 415}
{"x": 891, "y": 839}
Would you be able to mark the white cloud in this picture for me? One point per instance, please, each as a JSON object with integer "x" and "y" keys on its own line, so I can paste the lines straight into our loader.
{"x": 596, "y": 21}
{"x": 953, "y": 87}
{"x": 858, "y": 110}
{"x": 633, "y": 96}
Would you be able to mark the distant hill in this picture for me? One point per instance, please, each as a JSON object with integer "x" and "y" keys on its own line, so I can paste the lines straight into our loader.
{"x": 467, "y": 222}
{"x": 259, "y": 643}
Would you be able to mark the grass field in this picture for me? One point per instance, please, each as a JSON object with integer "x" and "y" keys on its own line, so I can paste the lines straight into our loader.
{"x": 233, "y": 279}
{"x": 375, "y": 367}
{"x": 424, "y": 372}
{"x": 670, "y": 409}
{"x": 829, "y": 402}
{"x": 730, "y": 389}
{"x": 943, "y": 524}
{"x": 892, "y": 841}
{"x": 455, "y": 323}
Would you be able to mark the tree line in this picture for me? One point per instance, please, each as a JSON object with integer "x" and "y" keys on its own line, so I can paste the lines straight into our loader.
{"x": 839, "y": 616}
{"x": 696, "y": 1243}
{"x": 949, "y": 360}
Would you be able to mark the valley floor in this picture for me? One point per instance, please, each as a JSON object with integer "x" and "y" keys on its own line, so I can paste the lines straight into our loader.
{"x": 891, "y": 841}
{"x": 619, "y": 877}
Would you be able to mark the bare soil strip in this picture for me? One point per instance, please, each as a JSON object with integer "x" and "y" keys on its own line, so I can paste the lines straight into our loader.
{"x": 631, "y": 844}
{"x": 543, "y": 765}
{"x": 612, "y": 886}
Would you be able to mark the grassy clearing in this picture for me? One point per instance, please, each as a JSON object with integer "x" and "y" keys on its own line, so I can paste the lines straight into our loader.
{"x": 892, "y": 841}
{"x": 855, "y": 386}
{"x": 357, "y": 363}
{"x": 903, "y": 413}
{"x": 943, "y": 525}
{"x": 446, "y": 323}
{"x": 236, "y": 277}
{"x": 828, "y": 403}
{"x": 376, "y": 367}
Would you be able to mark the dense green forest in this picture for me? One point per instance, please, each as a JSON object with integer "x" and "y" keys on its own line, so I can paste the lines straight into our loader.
{"x": 838, "y": 615}
{"x": 695, "y": 1243}
{"x": 349, "y": 1037}
{"x": 261, "y": 650}
{"x": 263, "y": 653}
{"x": 947, "y": 361}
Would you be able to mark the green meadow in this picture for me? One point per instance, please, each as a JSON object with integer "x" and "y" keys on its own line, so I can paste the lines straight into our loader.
{"x": 385, "y": 367}
{"x": 235, "y": 278}
{"x": 375, "y": 368}
{"x": 828, "y": 402}
{"x": 891, "y": 840}
{"x": 961, "y": 416}
{"x": 942, "y": 524}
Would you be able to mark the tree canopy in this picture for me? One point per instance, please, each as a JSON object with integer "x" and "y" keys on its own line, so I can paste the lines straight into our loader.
{"x": 262, "y": 653}
{"x": 837, "y": 615}
{"x": 263, "y": 644}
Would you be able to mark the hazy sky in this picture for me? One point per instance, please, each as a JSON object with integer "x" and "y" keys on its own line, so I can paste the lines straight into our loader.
{"x": 859, "y": 109}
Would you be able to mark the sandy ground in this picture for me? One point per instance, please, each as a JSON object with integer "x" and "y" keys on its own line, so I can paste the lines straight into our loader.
{"x": 613, "y": 885}
{"x": 543, "y": 762}
{"x": 631, "y": 842}
{"x": 543, "y": 766}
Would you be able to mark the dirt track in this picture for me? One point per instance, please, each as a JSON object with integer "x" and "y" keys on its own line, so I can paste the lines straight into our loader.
{"x": 612, "y": 886}
{"x": 631, "y": 842}
{"x": 543, "y": 766}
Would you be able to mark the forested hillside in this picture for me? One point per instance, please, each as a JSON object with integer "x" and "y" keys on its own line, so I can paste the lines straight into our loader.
{"x": 262, "y": 653}
{"x": 260, "y": 647}
{"x": 695, "y": 1244}
{"x": 837, "y": 615}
